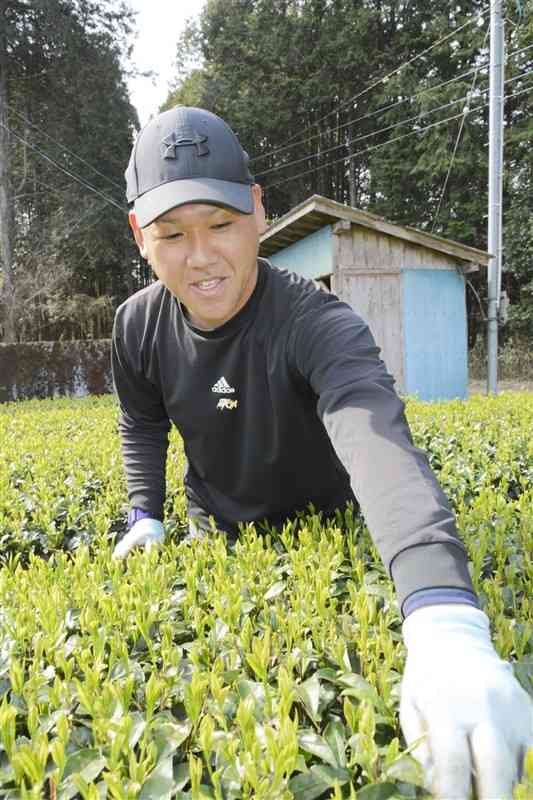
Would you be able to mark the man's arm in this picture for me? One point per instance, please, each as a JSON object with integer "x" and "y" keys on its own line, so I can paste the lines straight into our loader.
{"x": 459, "y": 699}
{"x": 143, "y": 423}
{"x": 406, "y": 511}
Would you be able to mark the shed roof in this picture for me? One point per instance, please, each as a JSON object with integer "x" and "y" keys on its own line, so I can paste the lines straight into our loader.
{"x": 317, "y": 211}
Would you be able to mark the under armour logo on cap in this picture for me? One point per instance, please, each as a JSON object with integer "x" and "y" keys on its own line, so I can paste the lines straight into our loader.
{"x": 185, "y": 137}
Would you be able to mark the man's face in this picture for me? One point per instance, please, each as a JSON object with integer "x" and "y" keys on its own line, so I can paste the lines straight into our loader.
{"x": 206, "y": 256}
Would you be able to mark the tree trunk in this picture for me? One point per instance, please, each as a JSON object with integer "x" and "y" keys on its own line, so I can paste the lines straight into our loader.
{"x": 6, "y": 207}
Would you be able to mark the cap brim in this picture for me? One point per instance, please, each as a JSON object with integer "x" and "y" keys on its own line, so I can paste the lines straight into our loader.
{"x": 152, "y": 204}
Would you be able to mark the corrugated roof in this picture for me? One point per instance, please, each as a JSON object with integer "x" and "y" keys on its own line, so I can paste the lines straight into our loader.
{"x": 318, "y": 211}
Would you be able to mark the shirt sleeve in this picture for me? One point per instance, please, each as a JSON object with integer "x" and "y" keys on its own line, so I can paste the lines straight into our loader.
{"x": 143, "y": 422}
{"x": 406, "y": 511}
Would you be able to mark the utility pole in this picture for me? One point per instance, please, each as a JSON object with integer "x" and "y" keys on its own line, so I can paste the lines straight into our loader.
{"x": 6, "y": 210}
{"x": 495, "y": 189}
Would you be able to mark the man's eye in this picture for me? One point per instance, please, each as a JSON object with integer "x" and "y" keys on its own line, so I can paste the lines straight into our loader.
{"x": 221, "y": 226}
{"x": 173, "y": 236}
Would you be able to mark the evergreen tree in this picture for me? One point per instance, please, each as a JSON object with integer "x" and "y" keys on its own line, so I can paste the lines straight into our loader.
{"x": 66, "y": 95}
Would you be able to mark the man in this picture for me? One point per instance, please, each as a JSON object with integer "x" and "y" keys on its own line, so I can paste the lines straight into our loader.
{"x": 278, "y": 392}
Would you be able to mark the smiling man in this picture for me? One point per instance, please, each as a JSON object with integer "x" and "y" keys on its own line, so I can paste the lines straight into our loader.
{"x": 206, "y": 256}
{"x": 281, "y": 399}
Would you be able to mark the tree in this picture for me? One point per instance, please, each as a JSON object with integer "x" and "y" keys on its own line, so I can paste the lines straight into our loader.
{"x": 66, "y": 101}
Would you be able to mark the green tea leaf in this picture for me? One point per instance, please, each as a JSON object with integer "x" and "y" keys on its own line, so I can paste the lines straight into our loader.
{"x": 309, "y": 694}
{"x": 275, "y": 590}
{"x": 169, "y": 735}
{"x": 160, "y": 783}
{"x": 406, "y": 769}
{"x": 313, "y": 743}
{"x": 335, "y": 736}
{"x": 377, "y": 791}
{"x": 312, "y": 784}
{"x": 86, "y": 763}
{"x": 83, "y": 760}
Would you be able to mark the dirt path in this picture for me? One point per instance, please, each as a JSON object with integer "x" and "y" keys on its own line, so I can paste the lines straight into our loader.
{"x": 480, "y": 387}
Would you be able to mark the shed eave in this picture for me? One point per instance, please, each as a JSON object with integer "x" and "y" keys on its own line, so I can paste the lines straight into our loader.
{"x": 318, "y": 211}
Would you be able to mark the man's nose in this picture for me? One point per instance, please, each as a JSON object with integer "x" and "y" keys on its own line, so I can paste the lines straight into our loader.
{"x": 200, "y": 254}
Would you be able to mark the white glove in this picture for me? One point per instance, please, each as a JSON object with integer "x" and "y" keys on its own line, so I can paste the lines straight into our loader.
{"x": 457, "y": 690}
{"x": 146, "y": 532}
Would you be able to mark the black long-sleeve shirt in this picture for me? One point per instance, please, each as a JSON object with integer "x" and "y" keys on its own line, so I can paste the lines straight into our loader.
{"x": 286, "y": 404}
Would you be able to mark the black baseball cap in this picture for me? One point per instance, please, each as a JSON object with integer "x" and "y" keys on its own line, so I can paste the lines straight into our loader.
{"x": 187, "y": 155}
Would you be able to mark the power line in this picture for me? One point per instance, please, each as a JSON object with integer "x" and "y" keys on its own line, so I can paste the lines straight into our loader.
{"x": 63, "y": 147}
{"x": 387, "y": 128}
{"x": 466, "y": 111}
{"x": 390, "y": 74}
{"x": 370, "y": 114}
{"x": 367, "y": 135}
{"x": 390, "y": 141}
{"x": 63, "y": 169}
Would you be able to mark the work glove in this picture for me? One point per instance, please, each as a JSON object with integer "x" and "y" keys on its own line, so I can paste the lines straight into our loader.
{"x": 146, "y": 533}
{"x": 465, "y": 701}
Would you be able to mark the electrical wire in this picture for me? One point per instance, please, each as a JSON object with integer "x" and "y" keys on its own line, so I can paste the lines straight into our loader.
{"x": 63, "y": 169}
{"x": 484, "y": 65}
{"x": 398, "y": 69}
{"x": 389, "y": 141}
{"x": 63, "y": 147}
{"x": 368, "y": 115}
{"x": 383, "y": 130}
{"x": 364, "y": 136}
{"x": 466, "y": 111}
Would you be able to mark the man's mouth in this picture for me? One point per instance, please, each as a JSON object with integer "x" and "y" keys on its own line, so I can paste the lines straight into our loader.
{"x": 208, "y": 286}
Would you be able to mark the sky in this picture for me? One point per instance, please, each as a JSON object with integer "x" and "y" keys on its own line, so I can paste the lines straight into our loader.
{"x": 159, "y": 24}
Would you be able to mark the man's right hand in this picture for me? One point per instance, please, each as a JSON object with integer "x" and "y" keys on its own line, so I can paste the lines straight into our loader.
{"x": 145, "y": 533}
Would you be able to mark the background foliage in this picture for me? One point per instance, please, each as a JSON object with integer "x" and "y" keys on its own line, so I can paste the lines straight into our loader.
{"x": 65, "y": 93}
{"x": 301, "y": 82}
{"x": 292, "y": 78}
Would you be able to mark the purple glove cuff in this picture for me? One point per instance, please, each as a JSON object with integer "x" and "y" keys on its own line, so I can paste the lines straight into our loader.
{"x": 437, "y": 597}
{"x": 135, "y": 514}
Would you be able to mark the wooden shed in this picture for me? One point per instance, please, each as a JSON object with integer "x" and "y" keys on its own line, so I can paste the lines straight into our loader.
{"x": 408, "y": 285}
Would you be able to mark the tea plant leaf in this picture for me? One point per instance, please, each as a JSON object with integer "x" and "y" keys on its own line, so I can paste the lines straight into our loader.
{"x": 361, "y": 689}
{"x": 82, "y": 760}
{"x": 309, "y": 694}
{"x": 335, "y": 736}
{"x": 181, "y": 775}
{"x": 523, "y": 671}
{"x": 313, "y": 743}
{"x": 406, "y": 769}
{"x": 253, "y": 689}
{"x": 312, "y": 784}
{"x": 378, "y": 791}
{"x": 169, "y": 735}
{"x": 275, "y": 590}
{"x": 160, "y": 783}
{"x": 86, "y": 763}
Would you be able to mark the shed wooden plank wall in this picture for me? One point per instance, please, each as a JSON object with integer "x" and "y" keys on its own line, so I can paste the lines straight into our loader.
{"x": 378, "y": 300}
{"x": 363, "y": 248}
{"x": 368, "y": 277}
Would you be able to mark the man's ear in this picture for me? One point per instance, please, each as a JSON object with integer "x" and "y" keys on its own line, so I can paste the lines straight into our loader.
{"x": 138, "y": 234}
{"x": 259, "y": 209}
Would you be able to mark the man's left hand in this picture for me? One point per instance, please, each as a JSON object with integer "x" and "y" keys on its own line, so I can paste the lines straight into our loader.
{"x": 457, "y": 693}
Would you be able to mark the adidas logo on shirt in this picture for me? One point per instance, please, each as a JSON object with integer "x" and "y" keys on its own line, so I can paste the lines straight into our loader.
{"x": 222, "y": 387}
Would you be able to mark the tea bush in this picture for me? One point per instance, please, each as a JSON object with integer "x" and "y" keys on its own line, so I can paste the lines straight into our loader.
{"x": 269, "y": 669}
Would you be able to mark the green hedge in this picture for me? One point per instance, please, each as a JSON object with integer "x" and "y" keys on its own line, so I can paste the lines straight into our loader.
{"x": 266, "y": 670}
